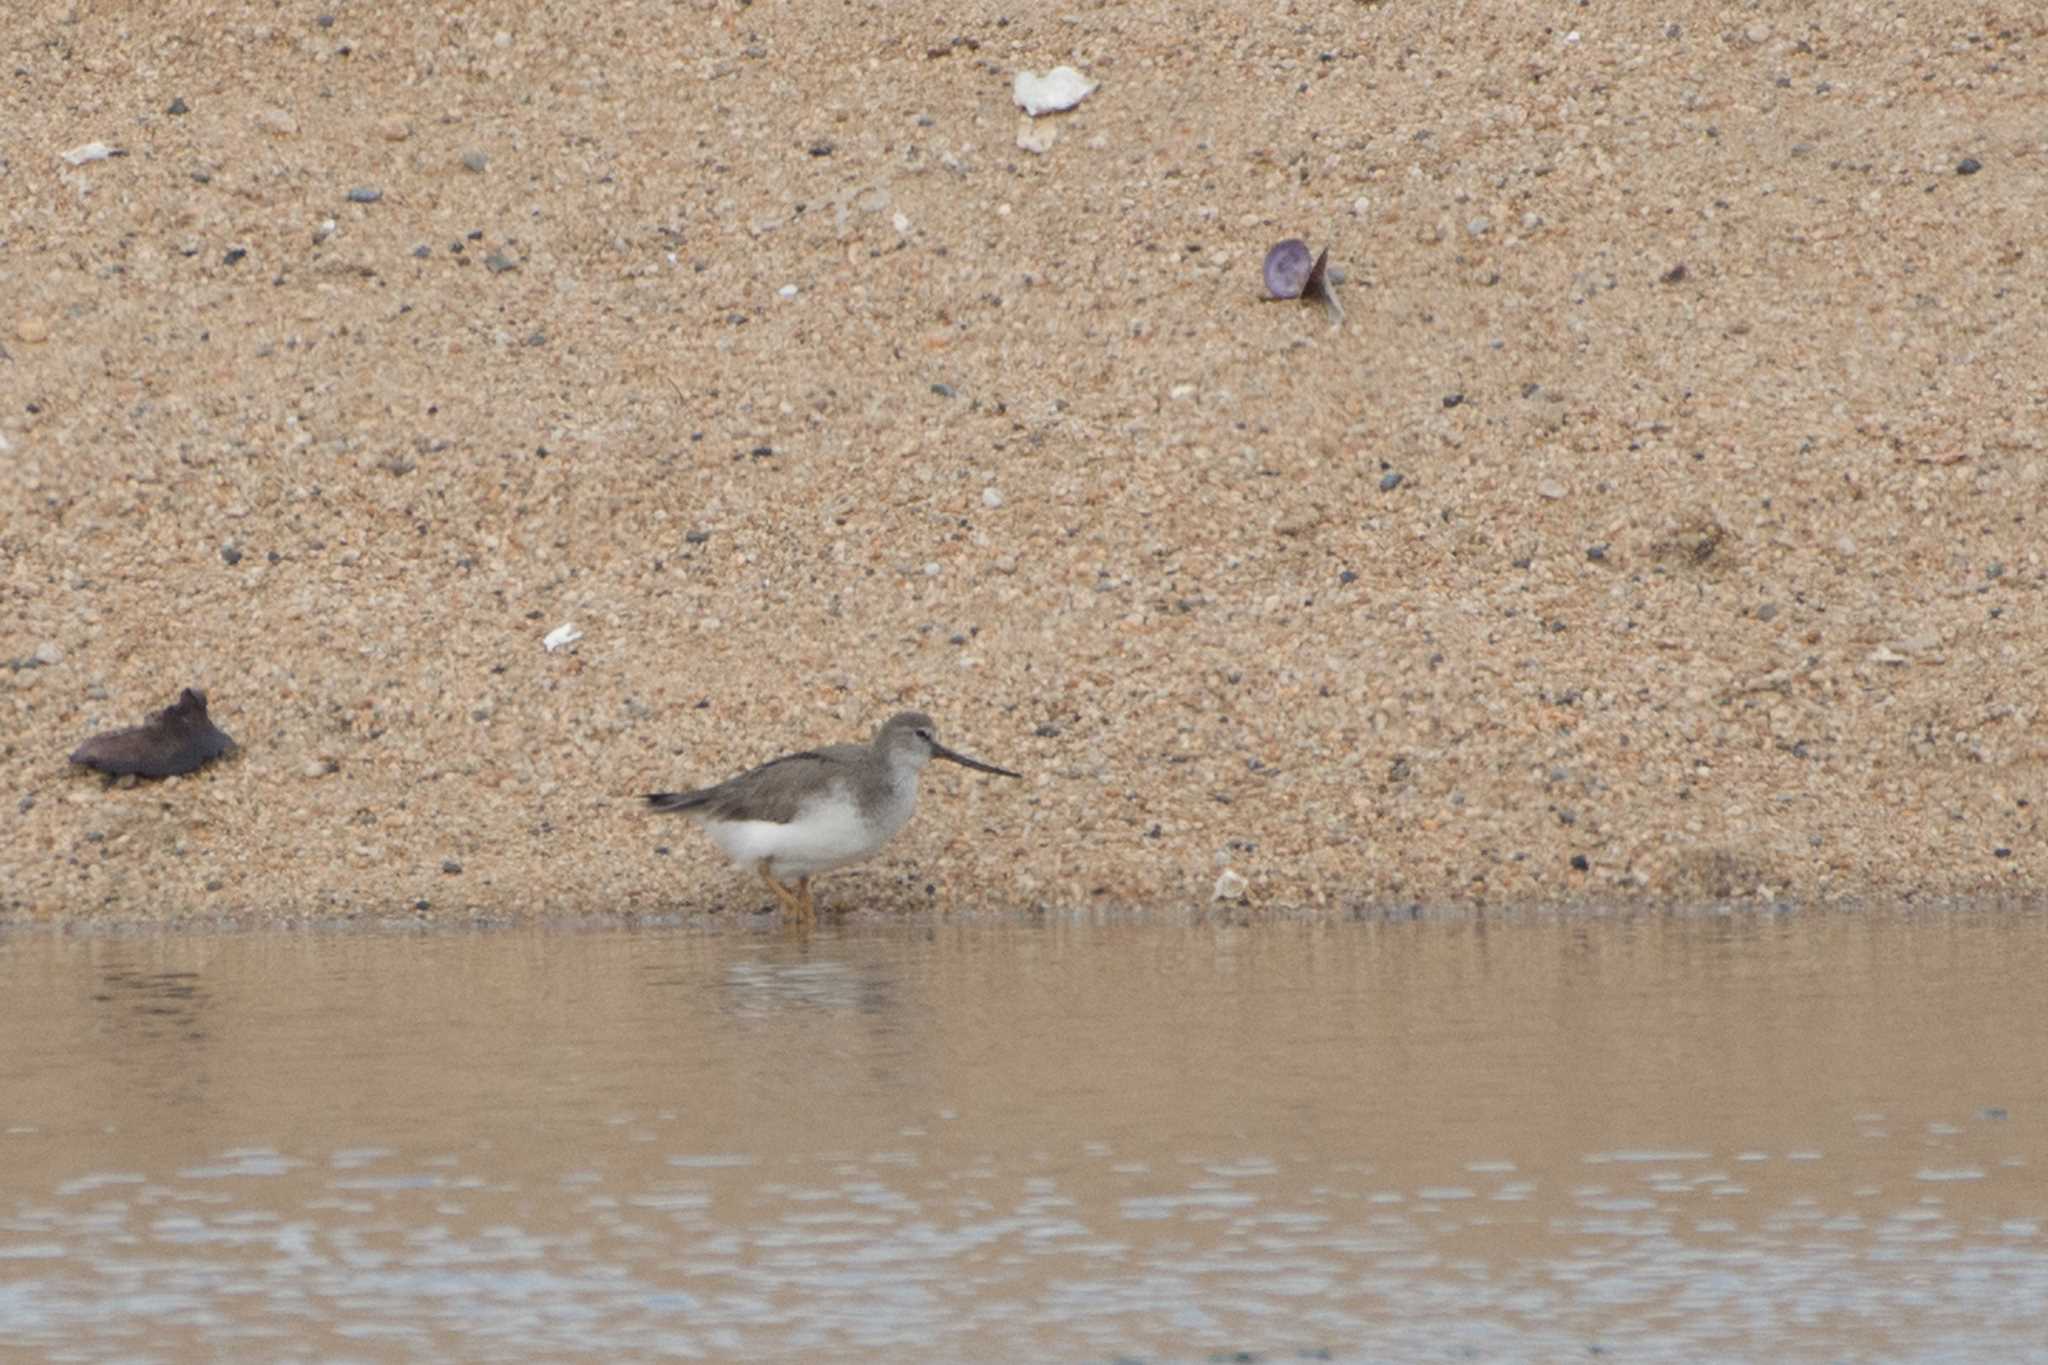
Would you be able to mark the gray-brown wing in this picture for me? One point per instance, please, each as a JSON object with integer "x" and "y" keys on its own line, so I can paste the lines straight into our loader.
{"x": 774, "y": 792}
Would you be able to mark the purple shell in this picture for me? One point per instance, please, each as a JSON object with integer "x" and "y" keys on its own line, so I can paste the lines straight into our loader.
{"x": 1290, "y": 271}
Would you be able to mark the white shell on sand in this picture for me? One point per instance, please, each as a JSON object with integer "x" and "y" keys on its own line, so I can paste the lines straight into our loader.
{"x": 1060, "y": 88}
{"x": 100, "y": 151}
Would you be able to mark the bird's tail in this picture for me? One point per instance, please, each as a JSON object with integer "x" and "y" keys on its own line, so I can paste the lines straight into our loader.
{"x": 671, "y": 801}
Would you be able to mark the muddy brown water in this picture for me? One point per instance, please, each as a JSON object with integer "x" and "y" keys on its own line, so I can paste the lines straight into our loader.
{"x": 1793, "y": 1136}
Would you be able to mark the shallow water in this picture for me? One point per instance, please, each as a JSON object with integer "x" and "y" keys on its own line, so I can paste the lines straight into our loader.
{"x": 1658, "y": 1138}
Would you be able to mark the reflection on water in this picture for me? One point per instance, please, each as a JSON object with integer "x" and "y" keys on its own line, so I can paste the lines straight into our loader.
{"x": 1661, "y": 1138}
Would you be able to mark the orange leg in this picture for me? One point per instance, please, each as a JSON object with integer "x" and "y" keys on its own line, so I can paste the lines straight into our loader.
{"x": 803, "y": 892}
{"x": 789, "y": 899}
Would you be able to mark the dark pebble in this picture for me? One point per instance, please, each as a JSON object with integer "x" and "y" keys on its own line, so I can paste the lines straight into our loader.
{"x": 2001, "y": 852}
{"x": 943, "y": 390}
{"x": 450, "y": 866}
{"x": 422, "y": 251}
{"x": 1451, "y": 400}
{"x": 1969, "y": 165}
{"x": 1348, "y": 576}
{"x": 234, "y": 255}
{"x": 1047, "y": 732}
{"x": 325, "y": 21}
{"x": 498, "y": 263}
{"x": 762, "y": 452}
{"x": 821, "y": 149}
{"x": 231, "y": 553}
{"x": 1389, "y": 482}
{"x": 178, "y": 106}
{"x": 177, "y": 739}
{"x": 696, "y": 537}
{"x": 537, "y": 339}
{"x": 1992, "y": 1112}
{"x": 1596, "y": 553}
{"x": 1676, "y": 274}
{"x": 364, "y": 194}
{"x": 1767, "y": 612}
{"x": 1579, "y": 863}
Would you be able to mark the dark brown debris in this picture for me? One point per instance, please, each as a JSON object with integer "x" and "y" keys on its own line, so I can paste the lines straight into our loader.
{"x": 178, "y": 739}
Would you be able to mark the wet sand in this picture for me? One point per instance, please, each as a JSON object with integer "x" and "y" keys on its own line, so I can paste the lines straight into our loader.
{"x": 1663, "y": 524}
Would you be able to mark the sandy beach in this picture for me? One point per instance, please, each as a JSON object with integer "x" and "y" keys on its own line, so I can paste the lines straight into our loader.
{"x": 1662, "y": 525}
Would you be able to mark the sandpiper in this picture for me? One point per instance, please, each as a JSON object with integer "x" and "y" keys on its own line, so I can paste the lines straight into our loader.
{"x": 802, "y": 814}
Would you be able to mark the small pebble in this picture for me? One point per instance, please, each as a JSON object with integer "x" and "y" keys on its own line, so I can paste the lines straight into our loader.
{"x": 1596, "y": 553}
{"x": 1231, "y": 885}
{"x": 450, "y": 866}
{"x": 474, "y": 162}
{"x": 277, "y": 122}
{"x": 1451, "y": 400}
{"x": 234, "y": 255}
{"x": 498, "y": 263}
{"x": 364, "y": 194}
{"x": 991, "y": 497}
{"x": 1389, "y": 482}
{"x": 48, "y": 654}
{"x": 231, "y": 553}
{"x": 178, "y": 106}
{"x": 943, "y": 390}
{"x": 1969, "y": 165}
{"x": 788, "y": 291}
{"x": 1349, "y": 576}
{"x": 1550, "y": 489}
{"x": 422, "y": 251}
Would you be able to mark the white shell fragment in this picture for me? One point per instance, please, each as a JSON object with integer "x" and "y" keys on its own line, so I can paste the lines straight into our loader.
{"x": 91, "y": 151}
{"x": 1231, "y": 885}
{"x": 1060, "y": 88}
{"x": 561, "y": 637}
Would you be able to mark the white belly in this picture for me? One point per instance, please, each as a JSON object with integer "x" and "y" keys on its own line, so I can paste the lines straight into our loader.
{"x": 827, "y": 834}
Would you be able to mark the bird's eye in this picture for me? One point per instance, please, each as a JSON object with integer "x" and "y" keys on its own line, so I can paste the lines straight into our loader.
{"x": 924, "y": 735}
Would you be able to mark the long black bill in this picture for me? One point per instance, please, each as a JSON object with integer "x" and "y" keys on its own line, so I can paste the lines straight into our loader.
{"x": 941, "y": 751}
